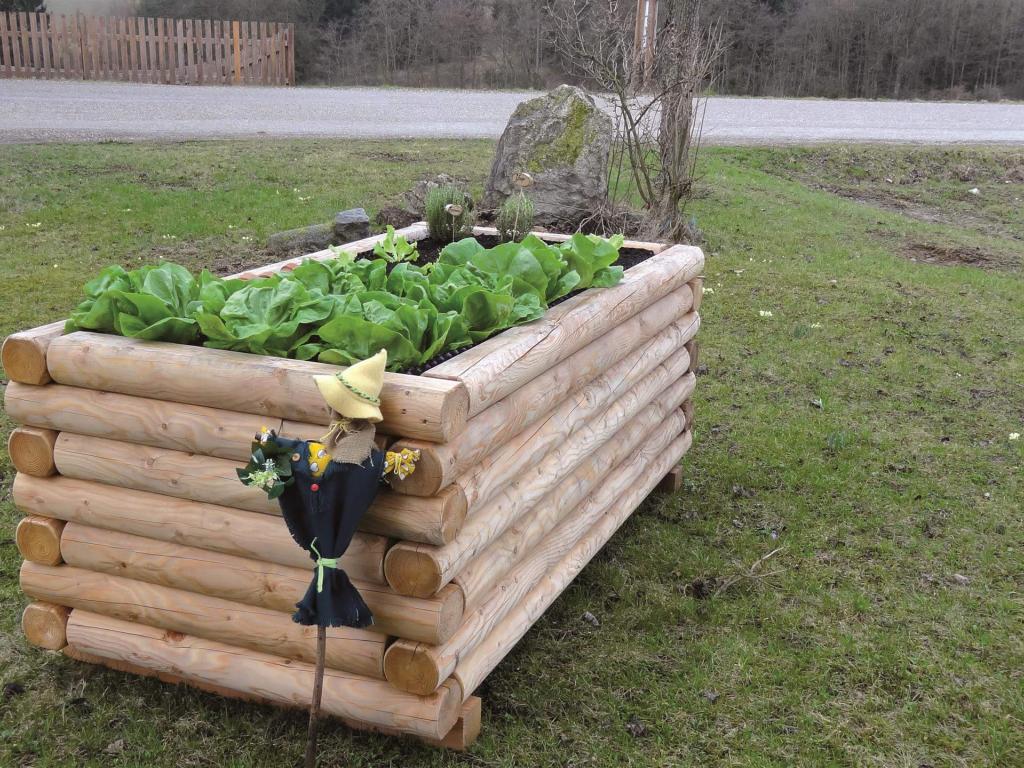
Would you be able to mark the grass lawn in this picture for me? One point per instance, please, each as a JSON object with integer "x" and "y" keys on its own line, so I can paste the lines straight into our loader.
{"x": 841, "y": 581}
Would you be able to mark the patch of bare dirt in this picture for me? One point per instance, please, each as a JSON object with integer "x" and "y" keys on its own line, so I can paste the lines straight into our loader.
{"x": 953, "y": 256}
{"x": 221, "y": 258}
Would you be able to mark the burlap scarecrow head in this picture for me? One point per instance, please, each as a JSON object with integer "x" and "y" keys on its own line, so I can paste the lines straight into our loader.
{"x": 355, "y": 392}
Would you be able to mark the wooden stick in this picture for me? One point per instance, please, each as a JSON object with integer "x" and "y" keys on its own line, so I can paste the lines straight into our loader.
{"x": 441, "y": 463}
{"x": 207, "y": 526}
{"x": 38, "y": 539}
{"x": 45, "y": 625}
{"x": 530, "y": 446}
{"x": 413, "y": 406}
{"x": 474, "y": 666}
{"x": 499, "y": 366}
{"x": 368, "y": 701}
{"x": 31, "y": 451}
{"x": 24, "y": 353}
{"x": 462, "y": 735}
{"x": 142, "y": 420}
{"x": 354, "y": 650}
{"x": 420, "y": 668}
{"x": 419, "y": 570}
{"x": 688, "y": 410}
{"x": 318, "y": 690}
{"x": 252, "y": 582}
{"x": 433, "y": 520}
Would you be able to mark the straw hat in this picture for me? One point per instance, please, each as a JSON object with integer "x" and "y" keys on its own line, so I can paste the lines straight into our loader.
{"x": 355, "y": 392}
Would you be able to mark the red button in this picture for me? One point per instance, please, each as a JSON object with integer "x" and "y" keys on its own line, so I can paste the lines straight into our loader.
{"x": 314, "y": 487}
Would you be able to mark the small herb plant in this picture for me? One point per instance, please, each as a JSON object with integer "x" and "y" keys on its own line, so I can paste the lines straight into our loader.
{"x": 395, "y": 249}
{"x": 449, "y": 213}
{"x": 515, "y": 218}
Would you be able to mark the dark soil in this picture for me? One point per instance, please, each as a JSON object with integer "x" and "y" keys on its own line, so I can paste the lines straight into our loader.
{"x": 950, "y": 255}
{"x": 429, "y": 250}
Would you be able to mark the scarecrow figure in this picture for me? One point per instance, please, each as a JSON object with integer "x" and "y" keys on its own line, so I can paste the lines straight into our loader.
{"x": 325, "y": 488}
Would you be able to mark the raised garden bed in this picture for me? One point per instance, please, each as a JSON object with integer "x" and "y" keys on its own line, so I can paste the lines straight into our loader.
{"x": 144, "y": 552}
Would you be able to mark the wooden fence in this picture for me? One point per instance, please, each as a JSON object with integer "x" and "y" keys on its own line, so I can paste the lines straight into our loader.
{"x": 146, "y": 50}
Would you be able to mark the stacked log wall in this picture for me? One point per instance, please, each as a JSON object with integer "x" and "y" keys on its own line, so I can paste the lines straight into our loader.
{"x": 144, "y": 552}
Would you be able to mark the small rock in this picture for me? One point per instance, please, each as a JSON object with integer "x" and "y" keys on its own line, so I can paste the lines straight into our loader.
{"x": 960, "y": 579}
{"x": 351, "y": 225}
{"x": 13, "y": 689}
{"x": 591, "y": 619}
{"x": 635, "y": 728}
{"x": 302, "y": 240}
{"x": 115, "y": 747}
{"x": 711, "y": 696}
{"x": 701, "y": 370}
{"x": 974, "y": 191}
{"x": 816, "y": 402}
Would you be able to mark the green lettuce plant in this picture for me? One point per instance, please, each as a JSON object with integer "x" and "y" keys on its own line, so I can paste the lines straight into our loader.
{"x": 394, "y": 248}
{"x": 345, "y": 309}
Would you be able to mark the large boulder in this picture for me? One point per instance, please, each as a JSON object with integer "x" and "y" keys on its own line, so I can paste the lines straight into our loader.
{"x": 563, "y": 140}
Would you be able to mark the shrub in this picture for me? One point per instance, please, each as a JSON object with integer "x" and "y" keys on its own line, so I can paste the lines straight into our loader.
{"x": 515, "y": 218}
{"x": 449, "y": 213}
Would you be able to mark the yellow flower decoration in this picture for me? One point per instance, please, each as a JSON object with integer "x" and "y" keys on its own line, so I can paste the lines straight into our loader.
{"x": 319, "y": 458}
{"x": 401, "y": 463}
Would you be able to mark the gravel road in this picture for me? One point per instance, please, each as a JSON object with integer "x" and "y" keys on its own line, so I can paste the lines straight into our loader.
{"x": 35, "y": 111}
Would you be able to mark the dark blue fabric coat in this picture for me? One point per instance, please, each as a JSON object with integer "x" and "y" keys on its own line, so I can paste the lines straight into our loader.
{"x": 329, "y": 515}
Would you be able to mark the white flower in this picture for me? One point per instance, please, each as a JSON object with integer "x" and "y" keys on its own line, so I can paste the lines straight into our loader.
{"x": 1015, "y": 435}
{"x": 37, "y": 225}
{"x": 765, "y": 313}
{"x": 170, "y": 237}
{"x": 816, "y": 325}
{"x": 2, "y": 227}
{"x": 975, "y": 191}
{"x": 304, "y": 199}
{"x": 709, "y": 291}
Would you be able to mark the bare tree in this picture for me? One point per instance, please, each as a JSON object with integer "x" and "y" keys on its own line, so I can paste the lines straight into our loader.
{"x": 654, "y": 99}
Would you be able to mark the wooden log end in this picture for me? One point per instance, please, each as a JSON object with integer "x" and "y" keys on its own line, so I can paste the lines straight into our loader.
{"x": 693, "y": 349}
{"x": 411, "y": 571}
{"x": 466, "y": 729}
{"x": 454, "y": 412}
{"x": 453, "y": 610}
{"x": 38, "y": 539}
{"x": 411, "y": 667}
{"x": 46, "y": 625}
{"x": 31, "y": 451}
{"x": 428, "y": 479}
{"x": 24, "y": 358}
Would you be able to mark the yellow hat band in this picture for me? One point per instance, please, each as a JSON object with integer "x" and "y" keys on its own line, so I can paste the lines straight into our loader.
{"x": 358, "y": 392}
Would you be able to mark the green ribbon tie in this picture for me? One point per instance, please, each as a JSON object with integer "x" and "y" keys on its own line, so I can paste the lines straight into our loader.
{"x": 321, "y": 563}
